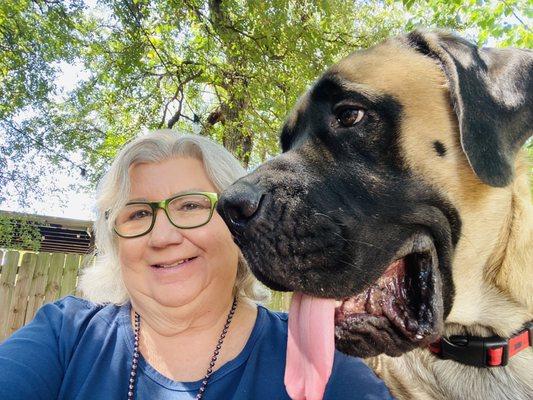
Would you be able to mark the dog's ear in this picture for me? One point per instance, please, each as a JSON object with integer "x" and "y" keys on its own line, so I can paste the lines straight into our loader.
{"x": 492, "y": 95}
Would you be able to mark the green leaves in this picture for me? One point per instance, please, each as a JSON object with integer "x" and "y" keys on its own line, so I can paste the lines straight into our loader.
{"x": 18, "y": 233}
{"x": 230, "y": 70}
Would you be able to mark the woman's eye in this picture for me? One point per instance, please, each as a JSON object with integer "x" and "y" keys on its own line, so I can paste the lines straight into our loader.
{"x": 140, "y": 214}
{"x": 349, "y": 116}
{"x": 190, "y": 206}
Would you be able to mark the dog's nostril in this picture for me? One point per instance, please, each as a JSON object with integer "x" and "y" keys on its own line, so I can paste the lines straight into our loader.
{"x": 239, "y": 203}
{"x": 242, "y": 211}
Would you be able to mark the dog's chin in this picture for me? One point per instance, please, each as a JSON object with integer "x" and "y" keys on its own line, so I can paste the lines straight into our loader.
{"x": 402, "y": 310}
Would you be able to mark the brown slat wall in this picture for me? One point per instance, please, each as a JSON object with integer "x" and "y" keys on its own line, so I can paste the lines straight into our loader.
{"x": 54, "y": 277}
{"x": 58, "y": 235}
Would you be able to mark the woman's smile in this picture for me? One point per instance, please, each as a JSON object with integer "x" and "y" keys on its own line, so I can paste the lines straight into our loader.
{"x": 173, "y": 264}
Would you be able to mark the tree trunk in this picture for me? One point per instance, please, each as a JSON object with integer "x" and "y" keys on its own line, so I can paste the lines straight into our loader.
{"x": 235, "y": 137}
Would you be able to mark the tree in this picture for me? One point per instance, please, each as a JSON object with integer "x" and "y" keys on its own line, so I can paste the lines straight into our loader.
{"x": 230, "y": 69}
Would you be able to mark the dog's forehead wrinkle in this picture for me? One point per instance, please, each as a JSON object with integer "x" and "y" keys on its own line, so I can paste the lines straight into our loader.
{"x": 390, "y": 69}
{"x": 348, "y": 85}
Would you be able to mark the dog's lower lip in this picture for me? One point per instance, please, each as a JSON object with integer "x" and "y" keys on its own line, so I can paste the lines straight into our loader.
{"x": 400, "y": 295}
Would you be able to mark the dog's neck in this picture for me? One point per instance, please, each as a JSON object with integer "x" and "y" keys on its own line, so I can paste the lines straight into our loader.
{"x": 420, "y": 375}
{"x": 492, "y": 296}
{"x": 513, "y": 259}
{"x": 499, "y": 305}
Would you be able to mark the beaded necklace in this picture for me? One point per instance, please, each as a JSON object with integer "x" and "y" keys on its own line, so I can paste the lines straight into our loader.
{"x": 135, "y": 359}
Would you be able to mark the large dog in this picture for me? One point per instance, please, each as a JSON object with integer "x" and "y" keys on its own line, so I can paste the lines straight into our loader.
{"x": 402, "y": 192}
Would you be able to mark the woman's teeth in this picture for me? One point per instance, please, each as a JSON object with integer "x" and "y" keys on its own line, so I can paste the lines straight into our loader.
{"x": 174, "y": 264}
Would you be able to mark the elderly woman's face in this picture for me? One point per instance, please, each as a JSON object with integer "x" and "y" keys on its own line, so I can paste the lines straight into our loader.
{"x": 174, "y": 266}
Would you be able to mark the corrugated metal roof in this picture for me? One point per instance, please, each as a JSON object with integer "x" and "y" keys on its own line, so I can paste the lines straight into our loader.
{"x": 58, "y": 235}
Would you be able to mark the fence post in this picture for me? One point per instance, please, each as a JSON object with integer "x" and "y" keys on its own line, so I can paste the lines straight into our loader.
{"x": 17, "y": 310}
{"x": 7, "y": 284}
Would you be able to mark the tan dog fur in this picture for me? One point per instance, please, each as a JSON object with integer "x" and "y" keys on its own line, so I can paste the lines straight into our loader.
{"x": 493, "y": 263}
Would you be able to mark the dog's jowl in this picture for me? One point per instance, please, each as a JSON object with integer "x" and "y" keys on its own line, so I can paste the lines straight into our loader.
{"x": 403, "y": 194}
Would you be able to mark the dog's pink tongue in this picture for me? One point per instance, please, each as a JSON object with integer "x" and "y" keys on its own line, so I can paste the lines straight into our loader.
{"x": 310, "y": 346}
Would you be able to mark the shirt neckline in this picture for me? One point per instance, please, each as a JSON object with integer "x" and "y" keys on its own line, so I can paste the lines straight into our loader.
{"x": 151, "y": 373}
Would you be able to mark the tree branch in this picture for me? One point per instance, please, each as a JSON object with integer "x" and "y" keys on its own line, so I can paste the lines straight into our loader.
{"x": 516, "y": 16}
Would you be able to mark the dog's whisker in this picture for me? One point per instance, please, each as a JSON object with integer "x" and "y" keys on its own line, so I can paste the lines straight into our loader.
{"x": 320, "y": 214}
{"x": 358, "y": 241}
{"x": 351, "y": 265}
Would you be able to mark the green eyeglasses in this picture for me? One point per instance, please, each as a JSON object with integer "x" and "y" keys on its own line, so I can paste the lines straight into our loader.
{"x": 185, "y": 211}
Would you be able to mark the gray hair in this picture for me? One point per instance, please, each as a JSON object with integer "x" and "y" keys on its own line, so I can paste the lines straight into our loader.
{"x": 102, "y": 282}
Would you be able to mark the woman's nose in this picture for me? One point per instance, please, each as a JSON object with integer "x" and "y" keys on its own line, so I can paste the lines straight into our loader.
{"x": 163, "y": 232}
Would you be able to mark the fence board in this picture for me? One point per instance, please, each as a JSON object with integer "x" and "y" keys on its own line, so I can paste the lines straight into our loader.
{"x": 7, "y": 285}
{"x": 17, "y": 311}
{"x": 55, "y": 272}
{"x": 70, "y": 273}
{"x": 86, "y": 261}
{"x": 38, "y": 285}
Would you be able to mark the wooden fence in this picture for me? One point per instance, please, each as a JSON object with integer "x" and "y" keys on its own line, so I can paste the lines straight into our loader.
{"x": 29, "y": 280}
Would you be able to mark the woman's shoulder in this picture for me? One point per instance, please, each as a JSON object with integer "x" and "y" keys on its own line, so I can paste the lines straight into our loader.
{"x": 272, "y": 321}
{"x": 351, "y": 375}
{"x": 71, "y": 314}
{"x": 278, "y": 317}
{"x": 52, "y": 339}
{"x": 69, "y": 304}
{"x": 75, "y": 305}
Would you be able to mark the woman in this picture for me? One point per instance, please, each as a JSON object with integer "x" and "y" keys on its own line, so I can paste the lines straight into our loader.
{"x": 173, "y": 312}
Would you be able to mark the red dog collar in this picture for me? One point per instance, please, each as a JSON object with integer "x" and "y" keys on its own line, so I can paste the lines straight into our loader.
{"x": 482, "y": 352}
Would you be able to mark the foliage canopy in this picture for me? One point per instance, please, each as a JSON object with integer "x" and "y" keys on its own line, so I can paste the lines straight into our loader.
{"x": 227, "y": 69}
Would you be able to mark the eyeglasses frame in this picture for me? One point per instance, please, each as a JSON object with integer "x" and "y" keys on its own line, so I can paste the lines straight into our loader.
{"x": 163, "y": 204}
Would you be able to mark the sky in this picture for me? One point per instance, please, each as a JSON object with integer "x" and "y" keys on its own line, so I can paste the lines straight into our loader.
{"x": 74, "y": 204}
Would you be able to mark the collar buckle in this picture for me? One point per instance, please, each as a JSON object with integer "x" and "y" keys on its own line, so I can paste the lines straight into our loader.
{"x": 483, "y": 352}
{"x": 475, "y": 350}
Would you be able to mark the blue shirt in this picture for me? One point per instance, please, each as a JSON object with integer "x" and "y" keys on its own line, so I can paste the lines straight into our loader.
{"x": 74, "y": 349}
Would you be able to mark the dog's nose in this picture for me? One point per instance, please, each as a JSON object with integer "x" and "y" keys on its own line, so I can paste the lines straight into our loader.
{"x": 239, "y": 203}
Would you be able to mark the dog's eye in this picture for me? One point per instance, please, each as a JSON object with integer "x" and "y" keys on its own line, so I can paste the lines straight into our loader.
{"x": 349, "y": 116}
